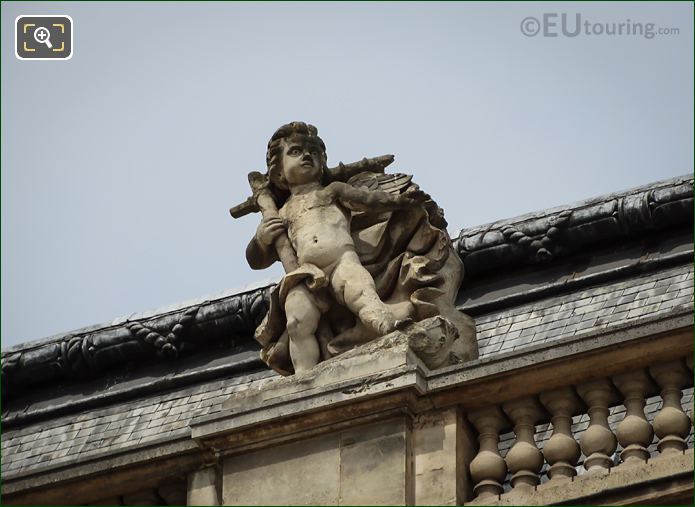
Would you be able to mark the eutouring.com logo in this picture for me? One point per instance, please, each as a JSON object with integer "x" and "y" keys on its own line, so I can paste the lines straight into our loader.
{"x": 554, "y": 24}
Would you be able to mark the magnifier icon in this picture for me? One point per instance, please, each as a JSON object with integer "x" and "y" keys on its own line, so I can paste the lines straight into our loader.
{"x": 43, "y": 36}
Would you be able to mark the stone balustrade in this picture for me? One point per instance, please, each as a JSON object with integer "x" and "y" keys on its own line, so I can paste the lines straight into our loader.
{"x": 551, "y": 442}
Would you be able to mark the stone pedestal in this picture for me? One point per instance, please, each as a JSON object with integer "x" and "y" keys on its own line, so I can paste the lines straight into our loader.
{"x": 354, "y": 430}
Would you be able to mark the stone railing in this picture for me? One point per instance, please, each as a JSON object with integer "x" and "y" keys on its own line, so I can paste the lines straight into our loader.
{"x": 539, "y": 471}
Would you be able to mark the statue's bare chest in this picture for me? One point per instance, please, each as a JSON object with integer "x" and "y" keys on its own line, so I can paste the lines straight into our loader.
{"x": 306, "y": 205}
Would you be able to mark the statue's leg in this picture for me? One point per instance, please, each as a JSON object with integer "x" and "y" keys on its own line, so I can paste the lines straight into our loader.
{"x": 352, "y": 283}
{"x": 302, "y": 321}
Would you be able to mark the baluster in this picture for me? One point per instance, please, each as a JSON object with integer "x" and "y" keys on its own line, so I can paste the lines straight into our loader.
{"x": 561, "y": 450}
{"x": 488, "y": 468}
{"x": 598, "y": 442}
{"x": 634, "y": 431}
{"x": 671, "y": 424}
{"x": 524, "y": 459}
{"x": 689, "y": 364}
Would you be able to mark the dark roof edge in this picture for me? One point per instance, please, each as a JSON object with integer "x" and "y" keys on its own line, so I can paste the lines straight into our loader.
{"x": 141, "y": 316}
{"x": 539, "y": 238}
{"x": 577, "y": 205}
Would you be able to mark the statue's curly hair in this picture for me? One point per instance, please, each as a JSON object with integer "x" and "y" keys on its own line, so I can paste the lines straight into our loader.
{"x": 274, "y": 152}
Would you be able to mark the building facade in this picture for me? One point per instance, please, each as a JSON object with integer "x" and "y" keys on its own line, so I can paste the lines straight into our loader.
{"x": 581, "y": 394}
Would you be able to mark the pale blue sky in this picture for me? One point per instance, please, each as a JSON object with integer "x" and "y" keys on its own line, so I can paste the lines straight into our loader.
{"x": 119, "y": 165}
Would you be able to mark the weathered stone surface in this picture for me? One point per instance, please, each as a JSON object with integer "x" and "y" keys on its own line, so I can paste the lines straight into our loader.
{"x": 376, "y": 464}
{"x": 202, "y": 487}
{"x": 378, "y": 367}
{"x": 443, "y": 445}
{"x": 363, "y": 466}
{"x": 302, "y": 473}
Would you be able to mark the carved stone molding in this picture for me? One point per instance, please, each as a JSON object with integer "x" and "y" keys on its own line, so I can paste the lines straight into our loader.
{"x": 168, "y": 336}
{"x": 540, "y": 238}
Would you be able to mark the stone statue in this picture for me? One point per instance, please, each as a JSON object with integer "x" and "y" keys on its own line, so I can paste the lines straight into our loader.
{"x": 365, "y": 254}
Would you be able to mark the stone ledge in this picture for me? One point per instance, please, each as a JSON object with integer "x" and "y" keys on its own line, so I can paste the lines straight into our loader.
{"x": 355, "y": 387}
{"x": 97, "y": 462}
{"x": 155, "y": 462}
{"x": 380, "y": 368}
{"x": 648, "y": 327}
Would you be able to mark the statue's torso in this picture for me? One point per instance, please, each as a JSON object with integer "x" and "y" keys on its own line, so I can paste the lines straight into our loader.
{"x": 318, "y": 227}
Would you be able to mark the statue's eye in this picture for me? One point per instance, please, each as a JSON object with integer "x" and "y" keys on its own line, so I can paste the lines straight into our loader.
{"x": 295, "y": 151}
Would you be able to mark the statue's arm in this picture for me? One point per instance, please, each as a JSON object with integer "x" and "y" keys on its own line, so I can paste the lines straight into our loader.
{"x": 358, "y": 199}
{"x": 259, "y": 256}
{"x": 261, "y": 251}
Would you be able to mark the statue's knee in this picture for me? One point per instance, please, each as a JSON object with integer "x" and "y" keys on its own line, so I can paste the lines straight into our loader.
{"x": 293, "y": 325}
{"x": 355, "y": 296}
{"x": 302, "y": 324}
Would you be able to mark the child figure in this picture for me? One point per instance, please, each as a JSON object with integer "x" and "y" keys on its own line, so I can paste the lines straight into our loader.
{"x": 317, "y": 220}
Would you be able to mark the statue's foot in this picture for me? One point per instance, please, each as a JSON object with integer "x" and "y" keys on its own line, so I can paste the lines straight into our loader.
{"x": 382, "y": 322}
{"x": 384, "y": 326}
{"x": 387, "y": 326}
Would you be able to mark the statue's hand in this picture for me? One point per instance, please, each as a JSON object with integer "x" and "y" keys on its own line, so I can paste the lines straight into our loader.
{"x": 413, "y": 196}
{"x": 269, "y": 230}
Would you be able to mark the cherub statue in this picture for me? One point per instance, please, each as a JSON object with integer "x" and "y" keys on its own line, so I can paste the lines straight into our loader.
{"x": 330, "y": 236}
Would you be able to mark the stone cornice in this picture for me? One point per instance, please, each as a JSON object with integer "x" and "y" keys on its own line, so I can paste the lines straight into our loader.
{"x": 88, "y": 353}
{"x": 541, "y": 237}
{"x": 536, "y": 238}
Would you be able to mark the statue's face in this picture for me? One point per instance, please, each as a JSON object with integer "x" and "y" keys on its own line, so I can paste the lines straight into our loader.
{"x": 302, "y": 160}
